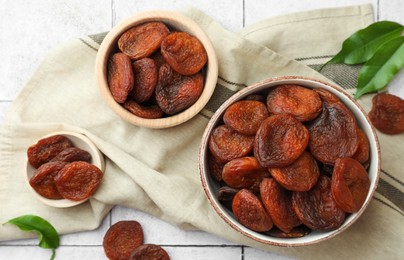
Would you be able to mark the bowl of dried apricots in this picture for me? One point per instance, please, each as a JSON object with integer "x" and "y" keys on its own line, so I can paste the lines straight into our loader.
{"x": 156, "y": 69}
{"x": 289, "y": 161}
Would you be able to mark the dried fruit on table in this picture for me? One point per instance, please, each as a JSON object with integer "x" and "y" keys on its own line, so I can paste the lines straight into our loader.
{"x": 299, "y": 231}
{"x": 387, "y": 113}
{"x": 120, "y": 76}
{"x": 245, "y": 116}
{"x": 302, "y": 103}
{"x": 47, "y": 148}
{"x": 317, "y": 208}
{"x": 226, "y": 144}
{"x": 78, "y": 180}
{"x": 350, "y": 184}
{"x": 72, "y": 154}
{"x": 152, "y": 111}
{"x": 215, "y": 167}
{"x": 301, "y": 175}
{"x": 42, "y": 181}
{"x": 362, "y": 152}
{"x": 142, "y": 40}
{"x": 175, "y": 92}
{"x": 184, "y": 53}
{"x": 278, "y": 203}
{"x": 248, "y": 210}
{"x": 333, "y": 134}
{"x": 149, "y": 252}
{"x": 280, "y": 140}
{"x": 145, "y": 73}
{"x": 122, "y": 238}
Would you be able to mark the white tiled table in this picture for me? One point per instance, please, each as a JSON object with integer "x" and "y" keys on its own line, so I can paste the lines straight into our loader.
{"x": 29, "y": 29}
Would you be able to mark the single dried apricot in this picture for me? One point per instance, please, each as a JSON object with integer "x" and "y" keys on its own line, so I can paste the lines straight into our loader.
{"x": 302, "y": 103}
{"x": 245, "y": 116}
{"x": 299, "y": 231}
{"x": 301, "y": 175}
{"x": 142, "y": 40}
{"x": 122, "y": 238}
{"x": 145, "y": 73}
{"x": 150, "y": 112}
{"x": 333, "y": 134}
{"x": 149, "y": 252}
{"x": 47, "y": 148}
{"x": 226, "y": 144}
{"x": 43, "y": 180}
{"x": 317, "y": 208}
{"x": 72, "y": 154}
{"x": 184, "y": 53}
{"x": 280, "y": 140}
{"x": 362, "y": 152}
{"x": 387, "y": 113}
{"x": 120, "y": 76}
{"x": 215, "y": 167}
{"x": 78, "y": 180}
{"x": 248, "y": 210}
{"x": 350, "y": 184}
{"x": 278, "y": 203}
{"x": 175, "y": 92}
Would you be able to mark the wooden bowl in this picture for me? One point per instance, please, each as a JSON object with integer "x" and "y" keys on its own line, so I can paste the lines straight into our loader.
{"x": 211, "y": 186}
{"x": 79, "y": 141}
{"x": 173, "y": 20}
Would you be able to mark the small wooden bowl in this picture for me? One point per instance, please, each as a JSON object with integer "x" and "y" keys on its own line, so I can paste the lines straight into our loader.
{"x": 173, "y": 20}
{"x": 79, "y": 141}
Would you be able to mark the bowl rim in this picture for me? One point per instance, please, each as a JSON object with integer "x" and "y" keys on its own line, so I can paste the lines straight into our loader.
{"x": 169, "y": 18}
{"x": 204, "y": 174}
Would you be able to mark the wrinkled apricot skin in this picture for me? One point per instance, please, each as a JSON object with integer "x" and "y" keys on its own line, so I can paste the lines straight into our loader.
{"x": 184, "y": 53}
{"x": 333, "y": 134}
{"x": 142, "y": 40}
{"x": 149, "y": 252}
{"x": 245, "y": 116}
{"x": 317, "y": 208}
{"x": 215, "y": 168}
{"x": 301, "y": 175}
{"x": 299, "y": 231}
{"x": 387, "y": 113}
{"x": 150, "y": 112}
{"x": 278, "y": 203}
{"x": 120, "y": 76}
{"x": 362, "y": 152}
{"x": 350, "y": 184}
{"x": 302, "y": 103}
{"x": 175, "y": 92}
{"x": 72, "y": 154}
{"x": 145, "y": 80}
{"x": 225, "y": 144}
{"x": 122, "y": 238}
{"x": 47, "y": 148}
{"x": 78, "y": 180}
{"x": 43, "y": 180}
{"x": 249, "y": 211}
{"x": 280, "y": 140}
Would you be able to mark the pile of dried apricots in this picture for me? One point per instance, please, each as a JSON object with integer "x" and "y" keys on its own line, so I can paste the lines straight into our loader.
{"x": 156, "y": 72}
{"x": 289, "y": 161}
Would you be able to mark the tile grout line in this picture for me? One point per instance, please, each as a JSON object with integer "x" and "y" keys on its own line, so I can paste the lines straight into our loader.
{"x": 243, "y": 13}
{"x": 242, "y": 252}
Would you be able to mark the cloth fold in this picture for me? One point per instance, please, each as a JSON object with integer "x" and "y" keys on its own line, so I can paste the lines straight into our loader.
{"x": 156, "y": 171}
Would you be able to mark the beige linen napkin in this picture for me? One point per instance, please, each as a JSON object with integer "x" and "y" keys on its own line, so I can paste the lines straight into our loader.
{"x": 156, "y": 171}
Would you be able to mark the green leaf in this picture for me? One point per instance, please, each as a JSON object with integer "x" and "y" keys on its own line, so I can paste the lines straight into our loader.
{"x": 363, "y": 44}
{"x": 381, "y": 68}
{"x": 48, "y": 236}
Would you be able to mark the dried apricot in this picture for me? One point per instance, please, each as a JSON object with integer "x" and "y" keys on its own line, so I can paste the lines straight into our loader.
{"x": 152, "y": 111}
{"x": 280, "y": 140}
{"x": 333, "y": 134}
{"x": 301, "y": 175}
{"x": 215, "y": 168}
{"x": 175, "y": 92}
{"x": 122, "y": 238}
{"x": 248, "y": 210}
{"x": 78, "y": 180}
{"x": 362, "y": 152}
{"x": 350, "y": 184}
{"x": 184, "y": 53}
{"x": 120, "y": 76}
{"x": 149, "y": 252}
{"x": 226, "y": 195}
{"x": 47, "y": 148}
{"x": 142, "y": 40}
{"x": 145, "y": 73}
{"x": 245, "y": 116}
{"x": 72, "y": 154}
{"x": 302, "y": 103}
{"x": 299, "y": 231}
{"x": 43, "y": 180}
{"x": 226, "y": 144}
{"x": 278, "y": 203}
{"x": 387, "y": 113}
{"x": 317, "y": 208}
